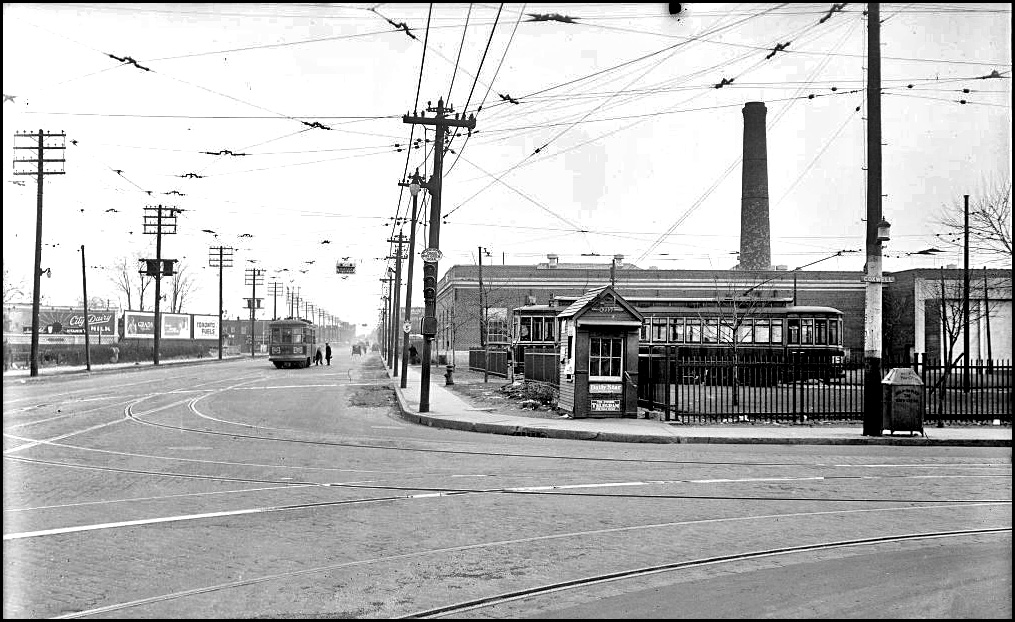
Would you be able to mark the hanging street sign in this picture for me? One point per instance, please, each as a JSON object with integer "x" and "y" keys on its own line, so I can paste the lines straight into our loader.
{"x": 431, "y": 254}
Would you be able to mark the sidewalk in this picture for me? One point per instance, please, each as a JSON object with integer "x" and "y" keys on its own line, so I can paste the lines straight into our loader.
{"x": 24, "y": 374}
{"x": 449, "y": 410}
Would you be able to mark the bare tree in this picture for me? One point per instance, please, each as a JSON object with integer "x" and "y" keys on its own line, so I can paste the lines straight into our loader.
{"x": 735, "y": 306}
{"x": 129, "y": 281}
{"x": 12, "y": 287}
{"x": 989, "y": 222}
{"x": 180, "y": 288}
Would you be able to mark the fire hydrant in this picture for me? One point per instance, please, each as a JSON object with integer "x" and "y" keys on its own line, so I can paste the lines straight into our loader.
{"x": 449, "y": 375}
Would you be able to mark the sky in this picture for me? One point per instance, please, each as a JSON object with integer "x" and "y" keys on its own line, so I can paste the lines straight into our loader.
{"x": 607, "y": 129}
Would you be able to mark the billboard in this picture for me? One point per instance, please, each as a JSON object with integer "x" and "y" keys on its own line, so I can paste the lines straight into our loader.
{"x": 175, "y": 325}
{"x": 138, "y": 325}
{"x": 59, "y": 321}
{"x": 206, "y": 327}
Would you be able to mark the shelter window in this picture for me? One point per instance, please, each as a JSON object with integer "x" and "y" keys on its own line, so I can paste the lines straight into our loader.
{"x": 605, "y": 356}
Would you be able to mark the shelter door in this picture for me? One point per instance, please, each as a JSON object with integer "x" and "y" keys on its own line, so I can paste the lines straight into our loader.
{"x": 606, "y": 373}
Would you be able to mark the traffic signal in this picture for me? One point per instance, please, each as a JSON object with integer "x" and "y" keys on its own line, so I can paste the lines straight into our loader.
{"x": 429, "y": 281}
{"x": 167, "y": 267}
{"x": 151, "y": 267}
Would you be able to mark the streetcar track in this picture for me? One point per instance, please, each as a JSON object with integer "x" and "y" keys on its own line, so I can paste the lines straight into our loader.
{"x": 491, "y": 601}
{"x": 500, "y": 543}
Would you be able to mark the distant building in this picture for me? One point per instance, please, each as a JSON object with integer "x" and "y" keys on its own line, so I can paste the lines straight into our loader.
{"x": 910, "y": 301}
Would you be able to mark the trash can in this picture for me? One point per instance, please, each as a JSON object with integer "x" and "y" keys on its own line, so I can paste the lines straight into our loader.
{"x": 902, "y": 401}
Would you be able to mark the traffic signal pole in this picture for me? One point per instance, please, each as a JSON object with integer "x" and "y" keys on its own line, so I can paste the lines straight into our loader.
{"x": 432, "y": 252}
{"x": 414, "y": 187}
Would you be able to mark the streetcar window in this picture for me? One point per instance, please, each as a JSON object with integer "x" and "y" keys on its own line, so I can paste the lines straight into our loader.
{"x": 605, "y": 356}
{"x": 659, "y": 329}
{"x": 776, "y": 331}
{"x": 644, "y": 329}
{"x": 806, "y": 332}
{"x": 677, "y": 330}
{"x": 745, "y": 334}
{"x": 794, "y": 330}
{"x": 276, "y": 334}
{"x": 525, "y": 333}
{"x": 833, "y": 333}
{"x": 693, "y": 331}
{"x": 297, "y": 336}
{"x": 711, "y": 332}
{"x": 762, "y": 333}
{"x": 725, "y": 332}
{"x": 548, "y": 328}
{"x": 820, "y": 332}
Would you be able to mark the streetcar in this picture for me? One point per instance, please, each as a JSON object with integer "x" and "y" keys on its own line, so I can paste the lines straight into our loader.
{"x": 292, "y": 342}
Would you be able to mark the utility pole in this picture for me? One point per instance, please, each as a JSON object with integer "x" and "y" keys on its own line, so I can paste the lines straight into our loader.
{"x": 159, "y": 221}
{"x": 965, "y": 299}
{"x": 56, "y": 141}
{"x": 84, "y": 294}
{"x": 253, "y": 277}
{"x": 396, "y": 305}
{"x": 872, "y": 418}
{"x": 414, "y": 188}
{"x": 431, "y": 254}
{"x": 388, "y": 337}
{"x": 275, "y": 288}
{"x": 220, "y": 257}
{"x": 483, "y": 319}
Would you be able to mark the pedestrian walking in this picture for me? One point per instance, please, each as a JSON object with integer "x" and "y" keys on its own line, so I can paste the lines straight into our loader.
{"x": 327, "y": 352}
{"x": 318, "y": 356}
{"x": 413, "y": 354}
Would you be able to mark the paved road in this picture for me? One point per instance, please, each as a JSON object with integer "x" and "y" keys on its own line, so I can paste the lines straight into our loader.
{"x": 235, "y": 490}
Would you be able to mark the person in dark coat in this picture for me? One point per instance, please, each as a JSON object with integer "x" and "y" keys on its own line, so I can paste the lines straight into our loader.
{"x": 318, "y": 356}
{"x": 327, "y": 352}
{"x": 413, "y": 354}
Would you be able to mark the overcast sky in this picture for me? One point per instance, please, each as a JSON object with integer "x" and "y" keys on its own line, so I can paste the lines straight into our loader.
{"x": 619, "y": 143}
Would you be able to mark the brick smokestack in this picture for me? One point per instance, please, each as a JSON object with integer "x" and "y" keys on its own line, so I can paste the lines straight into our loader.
{"x": 755, "y": 233}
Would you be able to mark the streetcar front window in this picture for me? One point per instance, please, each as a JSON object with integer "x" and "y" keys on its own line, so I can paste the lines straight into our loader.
{"x": 287, "y": 335}
{"x": 820, "y": 332}
{"x": 806, "y": 332}
{"x": 276, "y": 334}
{"x": 548, "y": 328}
{"x": 833, "y": 333}
{"x": 794, "y": 330}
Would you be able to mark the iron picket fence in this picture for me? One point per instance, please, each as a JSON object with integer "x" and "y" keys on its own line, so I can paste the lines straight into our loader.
{"x": 794, "y": 389}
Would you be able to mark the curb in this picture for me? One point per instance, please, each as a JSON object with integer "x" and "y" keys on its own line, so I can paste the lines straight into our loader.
{"x": 73, "y": 373}
{"x": 622, "y": 437}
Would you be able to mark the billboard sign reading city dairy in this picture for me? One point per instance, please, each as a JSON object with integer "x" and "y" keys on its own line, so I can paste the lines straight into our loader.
{"x": 206, "y": 327}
